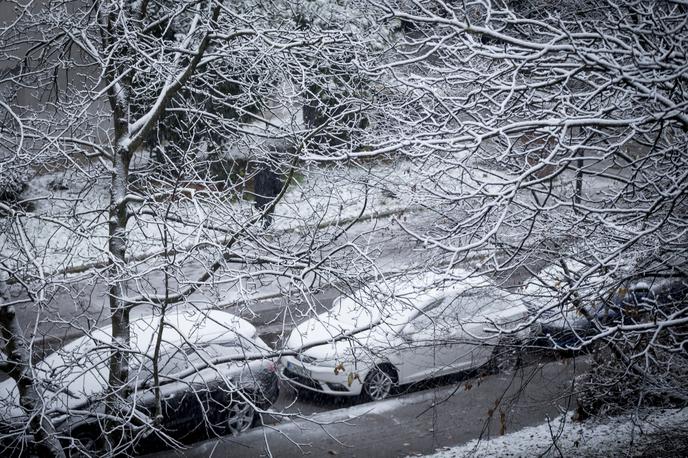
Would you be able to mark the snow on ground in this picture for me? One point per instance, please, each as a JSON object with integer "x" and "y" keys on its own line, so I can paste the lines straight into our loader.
{"x": 657, "y": 432}
{"x": 69, "y": 224}
{"x": 70, "y": 228}
{"x": 315, "y": 422}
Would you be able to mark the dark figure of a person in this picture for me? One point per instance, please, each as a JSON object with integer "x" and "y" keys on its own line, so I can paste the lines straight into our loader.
{"x": 267, "y": 186}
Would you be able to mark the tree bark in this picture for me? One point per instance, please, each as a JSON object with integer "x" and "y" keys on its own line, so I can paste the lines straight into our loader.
{"x": 17, "y": 367}
{"x": 116, "y": 402}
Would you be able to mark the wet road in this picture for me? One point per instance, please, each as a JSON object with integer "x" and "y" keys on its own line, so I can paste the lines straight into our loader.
{"x": 419, "y": 419}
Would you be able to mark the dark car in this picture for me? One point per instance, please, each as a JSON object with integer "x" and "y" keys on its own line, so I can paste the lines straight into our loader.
{"x": 565, "y": 326}
{"x": 198, "y": 395}
{"x": 649, "y": 299}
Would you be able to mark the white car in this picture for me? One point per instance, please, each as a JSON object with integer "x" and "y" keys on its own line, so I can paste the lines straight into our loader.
{"x": 199, "y": 394}
{"x": 403, "y": 331}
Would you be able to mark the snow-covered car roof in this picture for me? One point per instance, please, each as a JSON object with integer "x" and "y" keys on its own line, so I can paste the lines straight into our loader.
{"x": 189, "y": 325}
{"x": 402, "y": 296}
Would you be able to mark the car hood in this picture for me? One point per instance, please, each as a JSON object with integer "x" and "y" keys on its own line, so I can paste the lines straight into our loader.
{"x": 55, "y": 399}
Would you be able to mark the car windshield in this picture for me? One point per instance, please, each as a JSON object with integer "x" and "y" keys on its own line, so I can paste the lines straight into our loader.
{"x": 170, "y": 361}
{"x": 200, "y": 357}
{"x": 479, "y": 300}
{"x": 355, "y": 311}
{"x": 173, "y": 360}
{"x": 455, "y": 309}
{"x": 367, "y": 307}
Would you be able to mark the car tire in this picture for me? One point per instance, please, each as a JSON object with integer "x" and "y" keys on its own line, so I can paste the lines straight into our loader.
{"x": 83, "y": 444}
{"x": 241, "y": 416}
{"x": 378, "y": 383}
{"x": 506, "y": 356}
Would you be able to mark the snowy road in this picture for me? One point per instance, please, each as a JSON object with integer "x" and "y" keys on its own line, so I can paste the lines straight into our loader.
{"x": 82, "y": 303}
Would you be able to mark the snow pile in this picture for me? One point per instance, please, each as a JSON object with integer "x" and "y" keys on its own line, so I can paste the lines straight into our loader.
{"x": 648, "y": 433}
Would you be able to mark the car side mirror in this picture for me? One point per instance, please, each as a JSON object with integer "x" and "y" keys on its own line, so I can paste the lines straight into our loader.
{"x": 409, "y": 332}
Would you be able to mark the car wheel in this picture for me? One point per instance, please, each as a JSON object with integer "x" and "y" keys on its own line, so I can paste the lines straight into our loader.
{"x": 506, "y": 355}
{"x": 241, "y": 416}
{"x": 378, "y": 383}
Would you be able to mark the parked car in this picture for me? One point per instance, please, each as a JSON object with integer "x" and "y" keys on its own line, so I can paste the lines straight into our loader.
{"x": 198, "y": 397}
{"x": 571, "y": 308}
{"x": 403, "y": 331}
{"x": 563, "y": 298}
{"x": 652, "y": 298}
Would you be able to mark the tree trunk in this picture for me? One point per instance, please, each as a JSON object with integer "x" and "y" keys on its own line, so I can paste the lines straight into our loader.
{"x": 117, "y": 398}
{"x": 17, "y": 366}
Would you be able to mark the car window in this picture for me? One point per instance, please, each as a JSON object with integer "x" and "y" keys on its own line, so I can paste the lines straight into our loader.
{"x": 431, "y": 312}
{"x": 171, "y": 361}
{"x": 199, "y": 356}
{"x": 446, "y": 314}
{"x": 432, "y": 318}
{"x": 477, "y": 301}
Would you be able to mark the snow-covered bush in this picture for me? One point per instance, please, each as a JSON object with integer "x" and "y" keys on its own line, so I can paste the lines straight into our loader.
{"x": 13, "y": 182}
{"x": 647, "y": 367}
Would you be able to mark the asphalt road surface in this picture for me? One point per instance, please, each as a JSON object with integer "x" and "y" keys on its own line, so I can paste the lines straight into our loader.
{"x": 419, "y": 419}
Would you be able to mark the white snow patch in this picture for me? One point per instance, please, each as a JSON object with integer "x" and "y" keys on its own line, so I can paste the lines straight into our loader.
{"x": 351, "y": 413}
{"x": 373, "y": 408}
{"x": 562, "y": 436}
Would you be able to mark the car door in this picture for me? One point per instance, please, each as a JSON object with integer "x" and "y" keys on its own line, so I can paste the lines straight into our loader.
{"x": 450, "y": 335}
{"x": 456, "y": 328}
{"x": 181, "y": 401}
{"x": 428, "y": 349}
{"x": 474, "y": 313}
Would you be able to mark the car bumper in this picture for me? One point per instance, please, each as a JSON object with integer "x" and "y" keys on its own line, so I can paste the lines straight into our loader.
{"x": 321, "y": 379}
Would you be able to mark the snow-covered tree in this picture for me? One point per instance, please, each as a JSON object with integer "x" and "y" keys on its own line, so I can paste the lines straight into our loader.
{"x": 547, "y": 133}
{"x": 126, "y": 118}
{"x": 526, "y": 134}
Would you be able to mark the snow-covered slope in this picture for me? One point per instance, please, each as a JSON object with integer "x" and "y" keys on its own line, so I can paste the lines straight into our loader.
{"x": 647, "y": 433}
